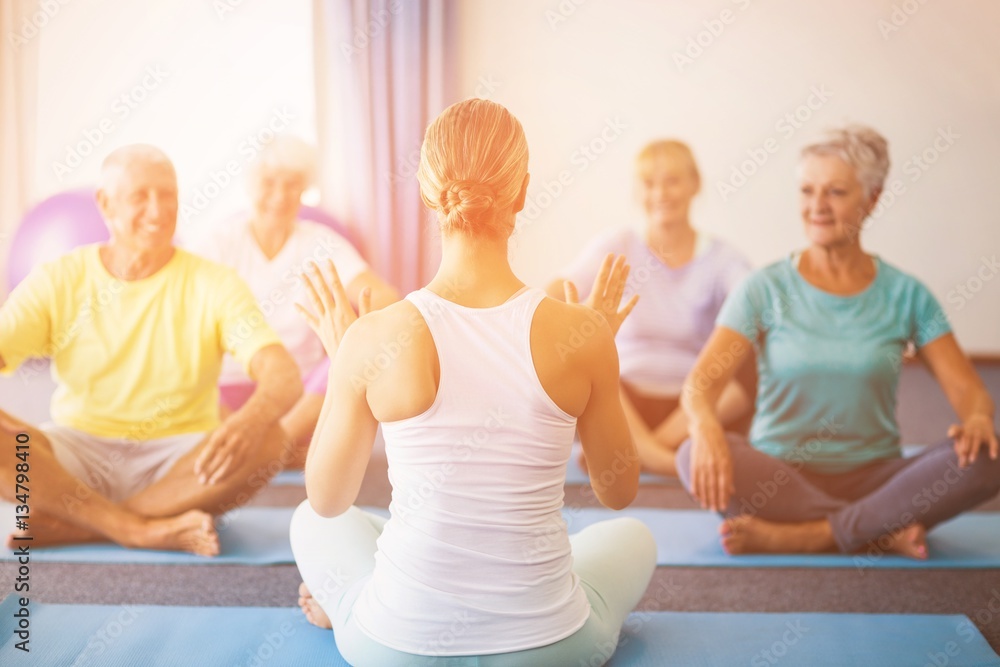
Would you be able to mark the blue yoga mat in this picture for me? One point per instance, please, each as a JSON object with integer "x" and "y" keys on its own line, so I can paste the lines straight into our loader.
{"x": 289, "y": 478}
{"x": 247, "y": 536}
{"x": 691, "y": 538}
{"x": 155, "y": 636}
{"x": 574, "y": 474}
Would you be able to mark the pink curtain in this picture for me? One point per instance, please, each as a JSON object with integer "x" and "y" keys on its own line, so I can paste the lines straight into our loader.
{"x": 18, "y": 85}
{"x": 384, "y": 71}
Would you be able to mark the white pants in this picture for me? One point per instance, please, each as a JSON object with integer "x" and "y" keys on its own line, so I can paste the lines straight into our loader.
{"x": 614, "y": 559}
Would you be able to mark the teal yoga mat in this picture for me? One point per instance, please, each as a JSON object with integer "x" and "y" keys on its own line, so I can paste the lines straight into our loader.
{"x": 155, "y": 636}
{"x": 247, "y": 536}
{"x": 690, "y": 538}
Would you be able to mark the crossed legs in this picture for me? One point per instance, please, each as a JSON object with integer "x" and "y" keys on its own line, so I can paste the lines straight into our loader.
{"x": 174, "y": 513}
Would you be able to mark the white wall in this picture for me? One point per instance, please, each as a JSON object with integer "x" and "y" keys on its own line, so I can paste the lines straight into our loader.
{"x": 607, "y": 60}
{"x": 202, "y": 79}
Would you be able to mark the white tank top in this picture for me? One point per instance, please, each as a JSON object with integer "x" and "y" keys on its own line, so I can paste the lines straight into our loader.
{"x": 475, "y": 558}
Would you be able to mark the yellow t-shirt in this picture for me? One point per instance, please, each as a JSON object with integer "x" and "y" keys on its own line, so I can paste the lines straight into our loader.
{"x": 133, "y": 359}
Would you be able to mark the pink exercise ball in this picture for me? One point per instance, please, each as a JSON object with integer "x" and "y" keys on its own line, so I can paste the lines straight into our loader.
{"x": 51, "y": 229}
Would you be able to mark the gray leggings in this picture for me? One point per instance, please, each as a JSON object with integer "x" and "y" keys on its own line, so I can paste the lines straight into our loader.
{"x": 614, "y": 559}
{"x": 862, "y": 504}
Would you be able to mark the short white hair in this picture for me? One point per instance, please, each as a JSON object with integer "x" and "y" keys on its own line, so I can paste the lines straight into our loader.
{"x": 860, "y": 146}
{"x": 122, "y": 159}
{"x": 288, "y": 153}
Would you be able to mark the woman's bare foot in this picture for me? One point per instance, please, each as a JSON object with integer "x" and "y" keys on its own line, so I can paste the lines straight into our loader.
{"x": 314, "y": 613}
{"x": 750, "y": 535}
{"x": 193, "y": 531}
{"x": 910, "y": 541}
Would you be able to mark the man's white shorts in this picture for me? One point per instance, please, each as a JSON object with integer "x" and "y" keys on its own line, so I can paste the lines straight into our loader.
{"x": 113, "y": 467}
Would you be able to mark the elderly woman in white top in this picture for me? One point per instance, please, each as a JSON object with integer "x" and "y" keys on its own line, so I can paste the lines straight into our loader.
{"x": 270, "y": 249}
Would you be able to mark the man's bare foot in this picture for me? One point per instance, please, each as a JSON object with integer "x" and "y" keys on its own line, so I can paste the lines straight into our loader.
{"x": 48, "y": 531}
{"x": 750, "y": 535}
{"x": 192, "y": 531}
{"x": 314, "y": 613}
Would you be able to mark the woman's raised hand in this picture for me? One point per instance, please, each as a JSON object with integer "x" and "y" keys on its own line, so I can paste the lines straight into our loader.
{"x": 609, "y": 286}
{"x": 334, "y": 312}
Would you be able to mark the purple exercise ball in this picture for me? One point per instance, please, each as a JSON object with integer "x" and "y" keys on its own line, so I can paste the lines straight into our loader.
{"x": 51, "y": 229}
{"x": 322, "y": 217}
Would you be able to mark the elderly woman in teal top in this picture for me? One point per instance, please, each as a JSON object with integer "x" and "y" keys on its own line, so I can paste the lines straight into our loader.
{"x": 823, "y": 469}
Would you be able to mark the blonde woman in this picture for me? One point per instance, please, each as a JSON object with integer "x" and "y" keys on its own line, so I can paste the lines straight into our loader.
{"x": 478, "y": 412}
{"x": 822, "y": 469}
{"x": 683, "y": 276}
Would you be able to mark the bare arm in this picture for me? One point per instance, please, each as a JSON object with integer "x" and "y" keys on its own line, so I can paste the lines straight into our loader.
{"x": 556, "y": 290}
{"x": 299, "y": 423}
{"x": 278, "y": 387}
{"x": 382, "y": 293}
{"x": 711, "y": 464}
{"x": 345, "y": 433}
{"x": 967, "y": 395}
{"x": 612, "y": 460}
{"x": 603, "y": 426}
{"x": 279, "y": 384}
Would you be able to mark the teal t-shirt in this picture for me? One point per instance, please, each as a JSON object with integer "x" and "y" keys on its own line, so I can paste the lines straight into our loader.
{"x": 828, "y": 365}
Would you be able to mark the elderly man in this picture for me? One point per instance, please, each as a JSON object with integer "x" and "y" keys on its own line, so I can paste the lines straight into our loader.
{"x": 136, "y": 330}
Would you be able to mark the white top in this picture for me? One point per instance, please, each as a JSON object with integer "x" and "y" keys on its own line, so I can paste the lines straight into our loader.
{"x": 275, "y": 283}
{"x": 660, "y": 340}
{"x": 475, "y": 558}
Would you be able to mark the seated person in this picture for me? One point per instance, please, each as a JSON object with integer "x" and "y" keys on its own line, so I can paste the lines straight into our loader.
{"x": 682, "y": 277}
{"x": 300, "y": 422}
{"x": 270, "y": 249}
{"x": 822, "y": 469}
{"x": 136, "y": 329}
{"x": 478, "y": 412}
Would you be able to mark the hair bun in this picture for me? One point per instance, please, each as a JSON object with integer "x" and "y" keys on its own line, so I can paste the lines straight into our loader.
{"x": 467, "y": 199}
